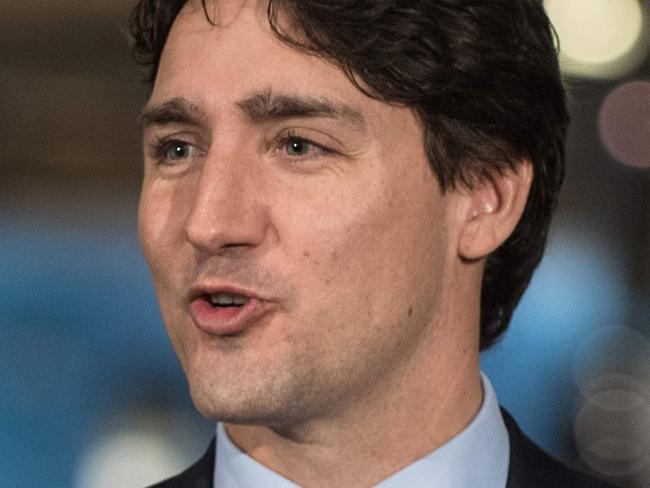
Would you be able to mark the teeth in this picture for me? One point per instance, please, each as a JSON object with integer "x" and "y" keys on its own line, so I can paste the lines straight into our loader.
{"x": 227, "y": 299}
{"x": 239, "y": 300}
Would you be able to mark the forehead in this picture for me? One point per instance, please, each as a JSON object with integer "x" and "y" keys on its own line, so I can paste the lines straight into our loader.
{"x": 219, "y": 63}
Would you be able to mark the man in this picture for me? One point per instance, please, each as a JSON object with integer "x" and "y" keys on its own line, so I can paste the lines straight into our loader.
{"x": 342, "y": 203}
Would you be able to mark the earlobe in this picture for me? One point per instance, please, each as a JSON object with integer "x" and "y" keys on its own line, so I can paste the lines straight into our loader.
{"x": 493, "y": 208}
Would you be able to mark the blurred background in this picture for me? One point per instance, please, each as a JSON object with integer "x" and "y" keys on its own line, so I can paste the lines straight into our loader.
{"x": 91, "y": 394}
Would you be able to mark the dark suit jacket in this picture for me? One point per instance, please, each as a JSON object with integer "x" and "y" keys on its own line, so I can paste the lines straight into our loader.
{"x": 530, "y": 467}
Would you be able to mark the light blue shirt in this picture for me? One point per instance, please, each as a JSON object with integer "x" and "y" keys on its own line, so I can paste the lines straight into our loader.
{"x": 477, "y": 456}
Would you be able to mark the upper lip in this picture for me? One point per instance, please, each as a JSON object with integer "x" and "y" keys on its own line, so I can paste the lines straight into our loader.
{"x": 204, "y": 289}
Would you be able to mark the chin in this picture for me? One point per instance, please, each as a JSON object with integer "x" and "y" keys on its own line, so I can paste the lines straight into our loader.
{"x": 261, "y": 402}
{"x": 250, "y": 411}
{"x": 236, "y": 400}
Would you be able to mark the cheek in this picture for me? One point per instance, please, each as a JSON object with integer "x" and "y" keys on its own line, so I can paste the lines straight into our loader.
{"x": 338, "y": 245}
{"x": 161, "y": 226}
{"x": 151, "y": 229}
{"x": 374, "y": 260}
{"x": 159, "y": 237}
{"x": 147, "y": 226}
{"x": 152, "y": 217}
{"x": 161, "y": 218}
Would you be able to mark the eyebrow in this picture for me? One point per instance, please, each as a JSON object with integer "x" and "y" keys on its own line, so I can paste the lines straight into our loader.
{"x": 258, "y": 108}
{"x": 175, "y": 111}
{"x": 266, "y": 106}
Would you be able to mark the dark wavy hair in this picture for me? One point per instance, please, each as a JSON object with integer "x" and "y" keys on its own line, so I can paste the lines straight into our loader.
{"x": 483, "y": 77}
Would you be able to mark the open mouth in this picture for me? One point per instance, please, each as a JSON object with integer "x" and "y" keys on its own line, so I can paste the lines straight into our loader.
{"x": 225, "y": 313}
{"x": 222, "y": 300}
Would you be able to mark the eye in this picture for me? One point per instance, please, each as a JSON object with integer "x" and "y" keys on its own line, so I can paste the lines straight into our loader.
{"x": 173, "y": 151}
{"x": 296, "y": 146}
{"x": 177, "y": 150}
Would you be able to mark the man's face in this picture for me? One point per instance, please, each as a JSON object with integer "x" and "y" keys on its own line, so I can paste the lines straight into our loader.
{"x": 269, "y": 174}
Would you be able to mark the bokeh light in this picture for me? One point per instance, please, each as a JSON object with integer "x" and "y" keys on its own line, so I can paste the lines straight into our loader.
{"x": 609, "y": 354}
{"x": 613, "y": 375}
{"x": 599, "y": 38}
{"x": 624, "y": 123}
{"x": 610, "y": 430}
{"x": 129, "y": 458}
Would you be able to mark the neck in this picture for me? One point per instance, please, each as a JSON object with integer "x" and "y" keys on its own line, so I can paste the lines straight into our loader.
{"x": 424, "y": 405}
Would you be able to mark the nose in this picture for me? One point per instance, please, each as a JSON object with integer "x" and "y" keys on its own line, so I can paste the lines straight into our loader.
{"x": 227, "y": 210}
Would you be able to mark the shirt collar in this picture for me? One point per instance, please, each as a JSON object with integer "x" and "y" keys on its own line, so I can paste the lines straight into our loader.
{"x": 484, "y": 442}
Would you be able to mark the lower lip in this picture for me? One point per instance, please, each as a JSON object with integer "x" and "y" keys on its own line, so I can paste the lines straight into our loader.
{"x": 223, "y": 321}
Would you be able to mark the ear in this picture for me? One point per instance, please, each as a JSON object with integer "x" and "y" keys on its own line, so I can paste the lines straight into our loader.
{"x": 492, "y": 209}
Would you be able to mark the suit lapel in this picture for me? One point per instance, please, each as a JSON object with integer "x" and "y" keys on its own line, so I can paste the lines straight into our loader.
{"x": 199, "y": 475}
{"x": 516, "y": 469}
